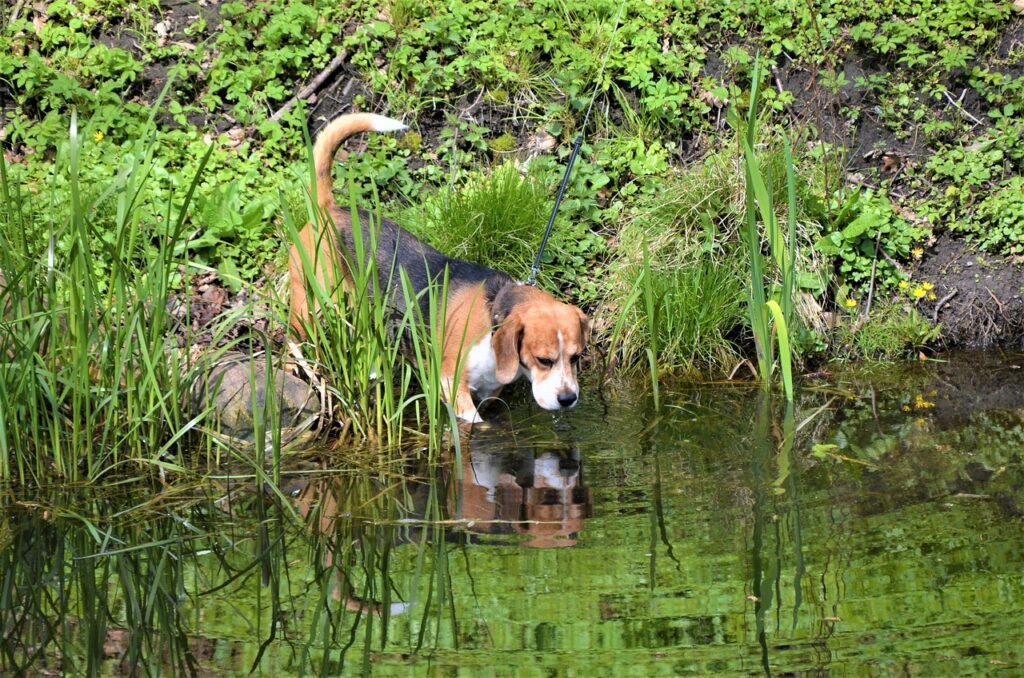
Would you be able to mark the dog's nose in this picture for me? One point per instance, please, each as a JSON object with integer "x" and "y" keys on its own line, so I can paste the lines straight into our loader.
{"x": 567, "y": 399}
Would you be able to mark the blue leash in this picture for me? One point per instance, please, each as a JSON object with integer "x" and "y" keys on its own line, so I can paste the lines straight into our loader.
{"x": 532, "y": 278}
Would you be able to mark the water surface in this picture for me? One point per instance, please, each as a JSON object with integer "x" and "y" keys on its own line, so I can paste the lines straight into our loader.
{"x": 873, "y": 529}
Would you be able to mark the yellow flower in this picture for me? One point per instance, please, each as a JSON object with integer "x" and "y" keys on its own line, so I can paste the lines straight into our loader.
{"x": 931, "y": 296}
{"x": 917, "y": 252}
{"x": 850, "y": 303}
{"x": 928, "y": 286}
{"x": 98, "y": 136}
{"x": 919, "y": 293}
{"x": 904, "y": 284}
{"x": 905, "y": 408}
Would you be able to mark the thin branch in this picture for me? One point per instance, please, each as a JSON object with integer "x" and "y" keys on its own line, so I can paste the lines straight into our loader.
{"x": 942, "y": 302}
{"x": 960, "y": 108}
{"x": 313, "y": 85}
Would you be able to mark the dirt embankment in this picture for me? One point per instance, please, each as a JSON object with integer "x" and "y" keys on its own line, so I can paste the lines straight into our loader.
{"x": 979, "y": 297}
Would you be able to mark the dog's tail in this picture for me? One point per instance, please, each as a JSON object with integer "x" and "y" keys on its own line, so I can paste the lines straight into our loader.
{"x": 332, "y": 136}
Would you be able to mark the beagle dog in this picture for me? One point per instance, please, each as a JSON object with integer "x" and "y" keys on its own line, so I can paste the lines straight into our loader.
{"x": 495, "y": 329}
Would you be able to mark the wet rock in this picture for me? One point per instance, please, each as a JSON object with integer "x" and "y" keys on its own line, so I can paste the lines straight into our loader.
{"x": 237, "y": 387}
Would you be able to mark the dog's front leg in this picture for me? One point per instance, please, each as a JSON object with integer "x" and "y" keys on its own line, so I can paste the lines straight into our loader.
{"x": 465, "y": 410}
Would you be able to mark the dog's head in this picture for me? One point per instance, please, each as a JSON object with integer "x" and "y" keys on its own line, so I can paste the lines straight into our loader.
{"x": 542, "y": 338}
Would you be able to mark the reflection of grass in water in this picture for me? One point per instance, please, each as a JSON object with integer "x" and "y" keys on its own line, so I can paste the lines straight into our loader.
{"x": 79, "y": 579}
{"x": 356, "y": 523}
{"x": 155, "y": 583}
{"x": 886, "y": 554}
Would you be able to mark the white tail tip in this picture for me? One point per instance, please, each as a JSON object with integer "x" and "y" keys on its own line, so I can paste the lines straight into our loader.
{"x": 384, "y": 124}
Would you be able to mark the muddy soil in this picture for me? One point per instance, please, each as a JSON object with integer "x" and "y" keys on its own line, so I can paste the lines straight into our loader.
{"x": 979, "y": 297}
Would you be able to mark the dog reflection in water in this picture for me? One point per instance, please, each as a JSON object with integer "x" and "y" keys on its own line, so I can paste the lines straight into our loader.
{"x": 501, "y": 491}
{"x": 538, "y": 495}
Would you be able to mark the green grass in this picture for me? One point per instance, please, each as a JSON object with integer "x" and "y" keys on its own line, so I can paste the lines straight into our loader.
{"x": 682, "y": 309}
{"x": 92, "y": 378}
{"x": 355, "y": 343}
{"x": 496, "y": 217}
{"x": 513, "y": 94}
{"x": 772, "y": 277}
{"x": 98, "y": 377}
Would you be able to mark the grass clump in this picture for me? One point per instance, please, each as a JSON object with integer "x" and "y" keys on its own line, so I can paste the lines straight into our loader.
{"x": 695, "y": 304}
{"x": 374, "y": 338}
{"x": 682, "y": 292}
{"x": 495, "y": 218}
{"x": 91, "y": 377}
{"x": 692, "y": 225}
{"x": 890, "y": 333}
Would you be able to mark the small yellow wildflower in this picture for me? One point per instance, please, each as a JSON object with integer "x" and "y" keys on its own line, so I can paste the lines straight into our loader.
{"x": 921, "y": 404}
{"x": 850, "y": 303}
{"x": 904, "y": 284}
{"x": 928, "y": 287}
{"x": 919, "y": 421}
{"x": 98, "y": 136}
{"x": 917, "y": 252}
{"x": 931, "y": 296}
{"x": 919, "y": 293}
{"x": 905, "y": 408}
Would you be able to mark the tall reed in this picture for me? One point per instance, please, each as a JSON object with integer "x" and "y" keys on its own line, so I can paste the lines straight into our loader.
{"x": 770, "y": 302}
{"x": 374, "y": 339}
{"x": 91, "y": 378}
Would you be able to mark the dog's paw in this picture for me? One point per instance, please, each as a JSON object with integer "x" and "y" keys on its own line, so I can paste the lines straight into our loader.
{"x": 470, "y": 417}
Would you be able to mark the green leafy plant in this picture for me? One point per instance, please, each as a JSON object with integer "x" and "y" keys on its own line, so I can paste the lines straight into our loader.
{"x": 770, "y": 304}
{"x": 867, "y": 237}
{"x": 998, "y": 224}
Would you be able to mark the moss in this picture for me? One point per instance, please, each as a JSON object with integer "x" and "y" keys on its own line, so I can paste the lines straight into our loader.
{"x": 411, "y": 141}
{"x": 503, "y": 144}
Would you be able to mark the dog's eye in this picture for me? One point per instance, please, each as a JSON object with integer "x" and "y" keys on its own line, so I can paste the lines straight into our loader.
{"x": 546, "y": 362}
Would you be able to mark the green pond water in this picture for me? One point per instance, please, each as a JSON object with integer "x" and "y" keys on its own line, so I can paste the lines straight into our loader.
{"x": 873, "y": 529}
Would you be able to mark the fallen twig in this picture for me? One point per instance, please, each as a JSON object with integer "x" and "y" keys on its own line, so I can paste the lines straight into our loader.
{"x": 942, "y": 302}
{"x": 313, "y": 85}
{"x": 473, "y": 106}
{"x": 960, "y": 108}
{"x": 15, "y": 12}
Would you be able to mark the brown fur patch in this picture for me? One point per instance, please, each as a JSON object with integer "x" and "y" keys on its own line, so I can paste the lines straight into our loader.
{"x": 315, "y": 255}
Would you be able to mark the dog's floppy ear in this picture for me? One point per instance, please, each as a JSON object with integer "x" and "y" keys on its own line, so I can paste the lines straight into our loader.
{"x": 584, "y": 329}
{"x": 505, "y": 342}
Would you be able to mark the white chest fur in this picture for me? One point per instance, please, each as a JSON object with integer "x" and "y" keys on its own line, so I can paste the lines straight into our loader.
{"x": 480, "y": 367}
